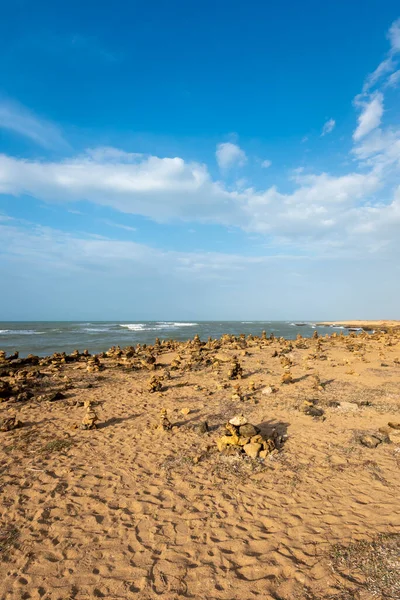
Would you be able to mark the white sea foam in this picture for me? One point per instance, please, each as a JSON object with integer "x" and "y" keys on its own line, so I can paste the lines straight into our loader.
{"x": 175, "y": 324}
{"x": 21, "y": 331}
{"x": 135, "y": 326}
{"x": 158, "y": 326}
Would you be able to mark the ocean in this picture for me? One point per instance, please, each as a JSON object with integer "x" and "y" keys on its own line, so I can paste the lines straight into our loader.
{"x": 44, "y": 337}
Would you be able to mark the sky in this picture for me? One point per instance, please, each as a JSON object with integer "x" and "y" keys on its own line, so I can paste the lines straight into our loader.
{"x": 199, "y": 160}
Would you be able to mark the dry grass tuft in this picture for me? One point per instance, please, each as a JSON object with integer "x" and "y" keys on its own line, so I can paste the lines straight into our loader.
{"x": 57, "y": 445}
{"x": 8, "y": 538}
{"x": 372, "y": 565}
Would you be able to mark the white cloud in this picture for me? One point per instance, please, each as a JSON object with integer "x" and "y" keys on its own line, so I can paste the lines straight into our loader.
{"x": 328, "y": 127}
{"x": 385, "y": 67}
{"x": 391, "y": 60}
{"x": 394, "y": 79}
{"x": 266, "y": 164}
{"x": 320, "y": 209}
{"x": 394, "y": 36}
{"x": 229, "y": 155}
{"x": 370, "y": 116}
{"x": 17, "y": 118}
{"x": 108, "y": 154}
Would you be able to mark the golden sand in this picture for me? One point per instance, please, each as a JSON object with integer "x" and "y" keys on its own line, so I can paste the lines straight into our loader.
{"x": 144, "y": 505}
{"x": 366, "y": 325}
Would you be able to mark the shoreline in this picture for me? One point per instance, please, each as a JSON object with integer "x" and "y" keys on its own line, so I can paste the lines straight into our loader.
{"x": 382, "y": 325}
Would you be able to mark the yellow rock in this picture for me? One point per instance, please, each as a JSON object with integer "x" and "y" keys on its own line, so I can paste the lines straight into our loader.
{"x": 243, "y": 441}
{"x": 252, "y": 449}
{"x": 227, "y": 440}
{"x": 287, "y": 378}
{"x": 185, "y": 411}
{"x": 257, "y": 439}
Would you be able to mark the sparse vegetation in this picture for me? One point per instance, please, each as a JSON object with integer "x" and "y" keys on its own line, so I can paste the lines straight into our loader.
{"x": 57, "y": 445}
{"x": 371, "y": 565}
{"x": 8, "y": 538}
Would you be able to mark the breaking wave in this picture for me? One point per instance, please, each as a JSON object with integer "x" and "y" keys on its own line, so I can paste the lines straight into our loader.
{"x": 159, "y": 326}
{"x": 21, "y": 332}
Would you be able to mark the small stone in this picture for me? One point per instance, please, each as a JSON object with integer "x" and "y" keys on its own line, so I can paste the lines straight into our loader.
{"x": 252, "y": 449}
{"x": 394, "y": 425}
{"x": 395, "y": 437}
{"x": 257, "y": 439}
{"x": 268, "y": 390}
{"x": 313, "y": 411}
{"x": 185, "y": 411}
{"x": 263, "y": 454}
{"x": 385, "y": 430}
{"x": 202, "y": 427}
{"x": 370, "y": 441}
{"x": 287, "y": 378}
{"x": 238, "y": 420}
{"x": 248, "y": 430}
{"x": 10, "y": 423}
{"x": 243, "y": 441}
{"x": 56, "y": 396}
{"x": 348, "y": 406}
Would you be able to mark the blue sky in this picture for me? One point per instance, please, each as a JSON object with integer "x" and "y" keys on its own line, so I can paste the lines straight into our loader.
{"x": 172, "y": 160}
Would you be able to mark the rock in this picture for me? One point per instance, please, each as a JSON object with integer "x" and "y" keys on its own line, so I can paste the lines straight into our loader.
{"x": 394, "y": 436}
{"x": 385, "y": 430}
{"x": 10, "y": 423}
{"x": 227, "y": 440}
{"x": 90, "y": 418}
{"x": 56, "y": 396}
{"x": 370, "y": 441}
{"x": 382, "y": 436}
{"x": 257, "y": 439}
{"x": 394, "y": 425}
{"x": 238, "y": 421}
{"x": 24, "y": 396}
{"x": 185, "y": 411}
{"x": 252, "y": 449}
{"x": 5, "y": 389}
{"x": 287, "y": 378}
{"x": 268, "y": 390}
{"x": 348, "y": 406}
{"x": 313, "y": 411}
{"x": 202, "y": 427}
{"x": 165, "y": 423}
{"x": 154, "y": 385}
{"x": 248, "y": 430}
{"x": 263, "y": 454}
{"x": 243, "y": 441}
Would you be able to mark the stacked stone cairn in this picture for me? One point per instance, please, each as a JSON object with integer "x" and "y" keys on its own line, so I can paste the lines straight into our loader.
{"x": 235, "y": 371}
{"x": 90, "y": 419}
{"x": 244, "y": 438}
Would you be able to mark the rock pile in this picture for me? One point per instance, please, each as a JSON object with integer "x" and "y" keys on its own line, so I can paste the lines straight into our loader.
{"x": 244, "y": 438}
{"x": 236, "y": 371}
{"x": 165, "y": 424}
{"x": 90, "y": 419}
{"x": 154, "y": 385}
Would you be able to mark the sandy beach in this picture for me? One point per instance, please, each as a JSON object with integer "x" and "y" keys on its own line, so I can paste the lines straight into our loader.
{"x": 114, "y": 482}
{"x": 366, "y": 325}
